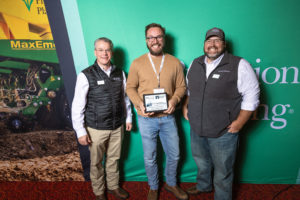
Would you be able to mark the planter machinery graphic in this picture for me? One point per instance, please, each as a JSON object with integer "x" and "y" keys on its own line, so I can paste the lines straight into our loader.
{"x": 31, "y": 93}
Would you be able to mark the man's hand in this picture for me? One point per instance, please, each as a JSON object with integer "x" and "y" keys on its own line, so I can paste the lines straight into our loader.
{"x": 171, "y": 107}
{"x": 238, "y": 124}
{"x": 128, "y": 126}
{"x": 185, "y": 108}
{"x": 185, "y": 112}
{"x": 84, "y": 140}
{"x": 235, "y": 127}
{"x": 142, "y": 108}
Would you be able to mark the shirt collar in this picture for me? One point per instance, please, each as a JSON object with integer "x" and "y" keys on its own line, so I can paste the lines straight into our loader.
{"x": 106, "y": 71}
{"x": 214, "y": 62}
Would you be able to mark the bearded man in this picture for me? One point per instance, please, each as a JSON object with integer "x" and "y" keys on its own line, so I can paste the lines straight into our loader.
{"x": 157, "y": 72}
{"x": 223, "y": 92}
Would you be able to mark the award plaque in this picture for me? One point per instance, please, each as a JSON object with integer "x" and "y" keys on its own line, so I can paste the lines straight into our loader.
{"x": 155, "y": 102}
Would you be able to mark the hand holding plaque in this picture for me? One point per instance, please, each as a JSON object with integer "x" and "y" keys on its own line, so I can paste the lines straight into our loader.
{"x": 157, "y": 102}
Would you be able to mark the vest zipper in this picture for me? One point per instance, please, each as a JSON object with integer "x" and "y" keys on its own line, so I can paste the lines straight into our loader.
{"x": 113, "y": 107}
{"x": 202, "y": 105}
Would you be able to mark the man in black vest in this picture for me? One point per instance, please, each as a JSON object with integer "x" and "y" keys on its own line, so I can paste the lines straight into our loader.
{"x": 223, "y": 92}
{"x": 99, "y": 110}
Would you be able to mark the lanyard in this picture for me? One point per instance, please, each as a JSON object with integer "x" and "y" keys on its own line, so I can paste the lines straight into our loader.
{"x": 160, "y": 68}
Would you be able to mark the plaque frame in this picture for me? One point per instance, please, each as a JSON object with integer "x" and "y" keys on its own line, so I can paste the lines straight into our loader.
{"x": 160, "y": 101}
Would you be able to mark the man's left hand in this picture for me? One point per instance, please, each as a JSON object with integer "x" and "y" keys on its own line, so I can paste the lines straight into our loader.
{"x": 238, "y": 124}
{"x": 171, "y": 107}
{"x": 234, "y": 127}
{"x": 128, "y": 126}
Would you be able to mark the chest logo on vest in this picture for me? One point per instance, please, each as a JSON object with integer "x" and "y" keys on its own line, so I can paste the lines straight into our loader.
{"x": 216, "y": 76}
{"x": 100, "y": 82}
{"x": 224, "y": 70}
{"x": 116, "y": 79}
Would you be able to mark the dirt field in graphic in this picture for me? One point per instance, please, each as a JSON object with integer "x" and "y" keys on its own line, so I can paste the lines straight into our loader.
{"x": 48, "y": 155}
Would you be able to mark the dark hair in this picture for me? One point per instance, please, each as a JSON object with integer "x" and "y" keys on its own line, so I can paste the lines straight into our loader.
{"x": 105, "y": 39}
{"x": 152, "y": 25}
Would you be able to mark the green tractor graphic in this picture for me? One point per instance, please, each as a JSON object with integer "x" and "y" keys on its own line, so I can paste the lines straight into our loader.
{"x": 32, "y": 95}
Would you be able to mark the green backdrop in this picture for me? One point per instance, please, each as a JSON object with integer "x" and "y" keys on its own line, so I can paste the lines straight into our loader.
{"x": 266, "y": 33}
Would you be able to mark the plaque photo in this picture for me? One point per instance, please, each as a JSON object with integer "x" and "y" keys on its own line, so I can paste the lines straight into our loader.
{"x": 155, "y": 102}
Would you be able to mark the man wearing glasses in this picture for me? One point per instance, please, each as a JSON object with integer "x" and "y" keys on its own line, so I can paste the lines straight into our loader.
{"x": 223, "y": 92}
{"x": 99, "y": 110}
{"x": 160, "y": 73}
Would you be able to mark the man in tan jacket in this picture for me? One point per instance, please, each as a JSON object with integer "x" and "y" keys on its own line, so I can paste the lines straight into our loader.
{"x": 152, "y": 73}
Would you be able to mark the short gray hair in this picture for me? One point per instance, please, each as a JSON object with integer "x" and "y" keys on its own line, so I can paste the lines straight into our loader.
{"x": 105, "y": 39}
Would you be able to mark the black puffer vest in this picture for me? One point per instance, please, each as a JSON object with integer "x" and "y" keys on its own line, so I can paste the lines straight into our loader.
{"x": 105, "y": 107}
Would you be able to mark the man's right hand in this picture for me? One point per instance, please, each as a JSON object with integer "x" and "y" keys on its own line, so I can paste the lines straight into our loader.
{"x": 142, "y": 108}
{"x": 185, "y": 112}
{"x": 185, "y": 108}
{"x": 84, "y": 140}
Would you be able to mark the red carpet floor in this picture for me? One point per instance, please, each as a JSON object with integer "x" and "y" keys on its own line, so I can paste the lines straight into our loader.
{"x": 138, "y": 191}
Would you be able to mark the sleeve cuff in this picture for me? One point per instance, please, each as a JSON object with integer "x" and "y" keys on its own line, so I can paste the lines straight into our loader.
{"x": 129, "y": 119}
{"x": 175, "y": 100}
{"x": 81, "y": 132}
{"x": 249, "y": 106}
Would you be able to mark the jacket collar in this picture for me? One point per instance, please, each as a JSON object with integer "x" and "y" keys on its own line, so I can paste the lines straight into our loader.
{"x": 97, "y": 67}
{"x": 225, "y": 59}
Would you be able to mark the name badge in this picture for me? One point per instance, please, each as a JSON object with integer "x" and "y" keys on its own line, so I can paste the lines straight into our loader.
{"x": 100, "y": 82}
{"x": 216, "y": 76}
{"x": 158, "y": 90}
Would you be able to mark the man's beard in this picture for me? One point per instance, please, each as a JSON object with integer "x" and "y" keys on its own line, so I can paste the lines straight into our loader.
{"x": 215, "y": 56}
{"x": 157, "y": 53}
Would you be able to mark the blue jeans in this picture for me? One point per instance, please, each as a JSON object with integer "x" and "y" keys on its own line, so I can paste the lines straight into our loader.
{"x": 166, "y": 129}
{"x": 217, "y": 154}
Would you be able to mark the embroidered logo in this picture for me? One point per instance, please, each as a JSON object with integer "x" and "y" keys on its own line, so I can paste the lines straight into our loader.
{"x": 116, "y": 79}
{"x": 224, "y": 70}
